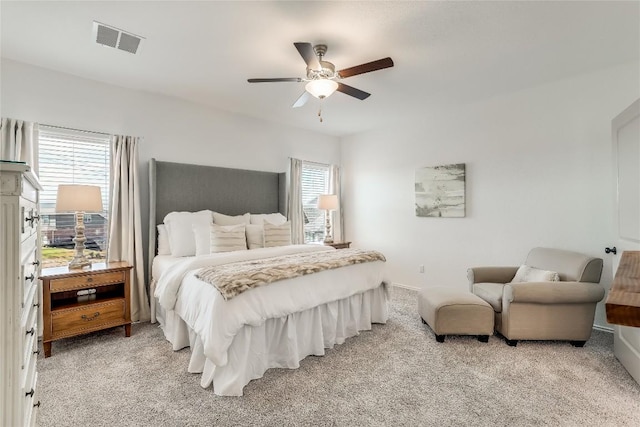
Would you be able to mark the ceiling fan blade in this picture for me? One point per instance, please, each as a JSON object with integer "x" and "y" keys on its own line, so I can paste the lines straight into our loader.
{"x": 366, "y": 68}
{"x": 301, "y": 100}
{"x": 282, "y": 79}
{"x": 307, "y": 53}
{"x": 352, "y": 91}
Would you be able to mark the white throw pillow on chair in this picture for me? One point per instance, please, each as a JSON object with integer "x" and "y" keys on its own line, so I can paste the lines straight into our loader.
{"x": 532, "y": 274}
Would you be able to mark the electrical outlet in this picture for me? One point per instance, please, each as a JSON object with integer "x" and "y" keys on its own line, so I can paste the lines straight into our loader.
{"x": 421, "y": 268}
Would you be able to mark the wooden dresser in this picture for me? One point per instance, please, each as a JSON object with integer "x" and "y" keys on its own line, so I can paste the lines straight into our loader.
{"x": 19, "y": 295}
{"x": 623, "y": 302}
{"x": 77, "y": 302}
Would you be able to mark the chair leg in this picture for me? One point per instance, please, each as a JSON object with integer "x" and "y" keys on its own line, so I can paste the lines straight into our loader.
{"x": 578, "y": 343}
{"x": 483, "y": 338}
{"x": 511, "y": 343}
{"x": 423, "y": 321}
{"x": 440, "y": 338}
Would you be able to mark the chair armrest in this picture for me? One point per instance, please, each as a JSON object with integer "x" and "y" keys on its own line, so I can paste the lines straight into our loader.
{"x": 490, "y": 274}
{"x": 553, "y": 292}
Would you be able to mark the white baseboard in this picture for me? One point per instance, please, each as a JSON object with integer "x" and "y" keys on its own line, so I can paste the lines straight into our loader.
{"x": 401, "y": 285}
{"x": 603, "y": 328}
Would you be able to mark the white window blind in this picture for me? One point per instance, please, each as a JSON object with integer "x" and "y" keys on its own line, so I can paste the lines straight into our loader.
{"x": 72, "y": 157}
{"x": 315, "y": 181}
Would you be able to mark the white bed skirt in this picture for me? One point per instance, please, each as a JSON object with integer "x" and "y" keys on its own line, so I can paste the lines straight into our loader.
{"x": 277, "y": 343}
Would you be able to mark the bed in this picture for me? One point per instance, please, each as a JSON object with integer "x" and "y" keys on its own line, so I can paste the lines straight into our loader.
{"x": 235, "y": 340}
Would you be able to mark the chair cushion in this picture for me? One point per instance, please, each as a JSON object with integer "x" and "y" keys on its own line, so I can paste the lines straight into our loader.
{"x": 491, "y": 293}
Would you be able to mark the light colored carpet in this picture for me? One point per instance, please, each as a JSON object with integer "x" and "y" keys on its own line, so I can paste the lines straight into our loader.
{"x": 396, "y": 374}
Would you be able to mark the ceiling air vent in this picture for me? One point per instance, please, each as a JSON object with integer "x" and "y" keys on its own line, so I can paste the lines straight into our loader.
{"x": 106, "y": 35}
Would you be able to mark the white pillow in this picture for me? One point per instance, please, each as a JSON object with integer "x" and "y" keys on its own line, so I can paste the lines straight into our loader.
{"x": 277, "y": 235}
{"x": 532, "y": 274}
{"x": 255, "y": 236}
{"x": 222, "y": 219}
{"x": 163, "y": 240}
{"x": 202, "y": 237}
{"x": 180, "y": 229}
{"x": 227, "y": 238}
{"x": 274, "y": 218}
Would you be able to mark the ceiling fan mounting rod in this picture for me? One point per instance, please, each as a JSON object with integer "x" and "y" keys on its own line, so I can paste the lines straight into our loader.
{"x": 320, "y": 50}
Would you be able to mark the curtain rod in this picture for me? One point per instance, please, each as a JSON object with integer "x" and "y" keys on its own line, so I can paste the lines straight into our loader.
{"x": 74, "y": 129}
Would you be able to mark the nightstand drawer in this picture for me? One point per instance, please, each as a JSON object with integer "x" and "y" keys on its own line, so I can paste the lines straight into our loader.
{"x": 71, "y": 321}
{"x": 87, "y": 281}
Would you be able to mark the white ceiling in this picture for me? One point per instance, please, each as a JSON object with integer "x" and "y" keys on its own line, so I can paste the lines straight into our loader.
{"x": 445, "y": 53}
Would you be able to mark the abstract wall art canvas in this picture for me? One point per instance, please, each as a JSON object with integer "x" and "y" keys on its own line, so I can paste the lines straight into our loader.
{"x": 440, "y": 191}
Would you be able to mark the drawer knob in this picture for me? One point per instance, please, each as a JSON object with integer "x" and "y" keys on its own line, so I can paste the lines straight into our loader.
{"x": 36, "y": 305}
{"x": 31, "y": 331}
{"x": 88, "y": 319}
{"x": 37, "y": 352}
{"x": 36, "y": 262}
{"x": 32, "y": 219}
{"x": 30, "y": 394}
{"x": 36, "y": 405}
{"x": 30, "y": 278}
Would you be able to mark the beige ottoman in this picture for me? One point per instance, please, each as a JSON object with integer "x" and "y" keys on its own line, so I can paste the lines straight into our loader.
{"x": 455, "y": 312}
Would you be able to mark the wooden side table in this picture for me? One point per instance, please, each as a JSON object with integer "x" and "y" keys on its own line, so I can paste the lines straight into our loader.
{"x": 339, "y": 245}
{"x": 77, "y": 302}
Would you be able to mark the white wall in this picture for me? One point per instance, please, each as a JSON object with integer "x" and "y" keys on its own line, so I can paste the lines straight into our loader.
{"x": 172, "y": 129}
{"x": 539, "y": 173}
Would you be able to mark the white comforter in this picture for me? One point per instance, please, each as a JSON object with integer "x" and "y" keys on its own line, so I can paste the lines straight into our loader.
{"x": 217, "y": 321}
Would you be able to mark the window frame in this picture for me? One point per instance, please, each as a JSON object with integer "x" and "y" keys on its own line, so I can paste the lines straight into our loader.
{"x": 314, "y": 218}
{"x": 63, "y": 159}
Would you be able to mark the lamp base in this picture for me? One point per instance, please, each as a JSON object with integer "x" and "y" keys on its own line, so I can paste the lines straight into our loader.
{"x": 79, "y": 260}
{"x": 328, "y": 237}
{"x": 79, "y": 263}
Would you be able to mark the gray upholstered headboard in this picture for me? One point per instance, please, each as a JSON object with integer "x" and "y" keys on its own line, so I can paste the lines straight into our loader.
{"x": 184, "y": 187}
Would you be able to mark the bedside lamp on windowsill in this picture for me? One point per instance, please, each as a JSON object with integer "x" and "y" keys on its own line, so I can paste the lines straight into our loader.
{"x": 79, "y": 199}
{"x": 328, "y": 203}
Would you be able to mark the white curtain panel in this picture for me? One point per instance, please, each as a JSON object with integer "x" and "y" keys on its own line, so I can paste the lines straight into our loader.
{"x": 295, "y": 213}
{"x": 125, "y": 229}
{"x": 19, "y": 142}
{"x": 337, "y": 221}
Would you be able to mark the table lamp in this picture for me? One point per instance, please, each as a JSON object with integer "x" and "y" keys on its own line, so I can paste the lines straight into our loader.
{"x": 328, "y": 202}
{"x": 79, "y": 199}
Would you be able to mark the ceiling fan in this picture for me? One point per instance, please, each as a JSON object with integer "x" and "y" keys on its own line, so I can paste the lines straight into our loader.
{"x": 322, "y": 78}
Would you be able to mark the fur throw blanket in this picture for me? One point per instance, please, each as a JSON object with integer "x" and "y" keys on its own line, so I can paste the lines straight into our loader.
{"x": 234, "y": 278}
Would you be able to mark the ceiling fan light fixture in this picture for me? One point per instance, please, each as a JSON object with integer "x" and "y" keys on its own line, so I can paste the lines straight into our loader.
{"x": 321, "y": 88}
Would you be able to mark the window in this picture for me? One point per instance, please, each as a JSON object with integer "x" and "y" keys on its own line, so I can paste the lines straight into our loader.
{"x": 72, "y": 157}
{"x": 315, "y": 181}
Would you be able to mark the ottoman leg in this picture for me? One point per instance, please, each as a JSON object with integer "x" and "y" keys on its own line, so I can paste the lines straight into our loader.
{"x": 440, "y": 338}
{"x": 511, "y": 343}
{"x": 483, "y": 338}
{"x": 423, "y": 321}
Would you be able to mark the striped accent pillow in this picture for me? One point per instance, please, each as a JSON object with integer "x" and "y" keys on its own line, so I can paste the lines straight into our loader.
{"x": 277, "y": 235}
{"x": 227, "y": 238}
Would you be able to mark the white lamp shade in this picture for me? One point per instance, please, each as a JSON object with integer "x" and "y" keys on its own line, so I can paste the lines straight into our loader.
{"x": 328, "y": 202}
{"x": 79, "y": 198}
{"x": 321, "y": 88}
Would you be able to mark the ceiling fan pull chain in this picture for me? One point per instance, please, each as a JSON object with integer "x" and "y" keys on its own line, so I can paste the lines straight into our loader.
{"x": 320, "y": 114}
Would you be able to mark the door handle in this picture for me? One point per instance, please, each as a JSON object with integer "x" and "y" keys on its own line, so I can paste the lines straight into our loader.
{"x": 612, "y": 250}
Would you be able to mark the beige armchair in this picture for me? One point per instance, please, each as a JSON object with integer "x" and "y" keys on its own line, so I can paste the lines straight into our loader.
{"x": 548, "y": 310}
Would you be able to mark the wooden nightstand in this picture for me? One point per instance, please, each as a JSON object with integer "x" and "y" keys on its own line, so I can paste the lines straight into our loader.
{"x": 339, "y": 245}
{"x": 77, "y": 302}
